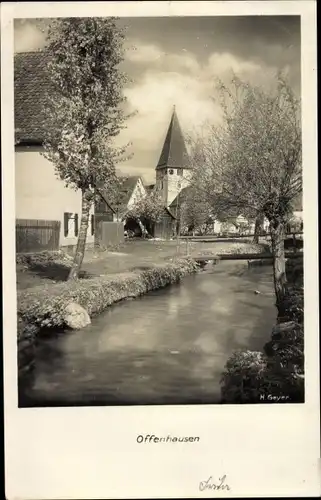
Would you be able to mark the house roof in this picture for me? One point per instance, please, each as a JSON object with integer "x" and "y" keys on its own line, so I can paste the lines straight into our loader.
{"x": 120, "y": 200}
{"x": 182, "y": 195}
{"x": 174, "y": 152}
{"x": 31, "y": 86}
{"x": 127, "y": 188}
{"x": 105, "y": 200}
{"x": 149, "y": 188}
{"x": 168, "y": 211}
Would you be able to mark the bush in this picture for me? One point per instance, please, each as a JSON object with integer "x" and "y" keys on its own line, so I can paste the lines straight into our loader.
{"x": 294, "y": 271}
{"x": 294, "y": 305}
{"x": 243, "y": 377}
{"x": 252, "y": 377}
{"x": 245, "y": 247}
{"x": 44, "y": 306}
{"x": 36, "y": 258}
{"x": 287, "y": 346}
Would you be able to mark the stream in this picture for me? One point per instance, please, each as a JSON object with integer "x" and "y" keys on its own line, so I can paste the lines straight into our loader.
{"x": 167, "y": 347}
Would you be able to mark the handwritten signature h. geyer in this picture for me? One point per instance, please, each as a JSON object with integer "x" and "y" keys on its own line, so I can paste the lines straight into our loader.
{"x": 209, "y": 485}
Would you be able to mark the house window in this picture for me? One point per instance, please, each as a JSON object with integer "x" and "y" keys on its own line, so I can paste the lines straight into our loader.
{"x": 76, "y": 228}
{"x": 92, "y": 224}
{"x": 71, "y": 227}
{"x": 67, "y": 217}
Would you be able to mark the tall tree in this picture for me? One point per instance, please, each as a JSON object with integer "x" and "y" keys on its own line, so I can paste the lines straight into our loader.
{"x": 85, "y": 109}
{"x": 254, "y": 156}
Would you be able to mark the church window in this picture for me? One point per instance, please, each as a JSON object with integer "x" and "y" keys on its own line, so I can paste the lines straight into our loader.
{"x": 171, "y": 171}
{"x": 179, "y": 171}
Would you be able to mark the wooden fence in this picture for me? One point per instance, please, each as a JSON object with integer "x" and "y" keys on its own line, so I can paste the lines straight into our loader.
{"x": 35, "y": 235}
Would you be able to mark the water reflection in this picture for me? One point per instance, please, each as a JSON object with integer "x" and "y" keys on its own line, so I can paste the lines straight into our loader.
{"x": 167, "y": 347}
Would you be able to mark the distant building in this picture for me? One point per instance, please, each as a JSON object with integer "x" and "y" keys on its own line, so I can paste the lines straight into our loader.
{"x": 296, "y": 223}
{"x": 173, "y": 171}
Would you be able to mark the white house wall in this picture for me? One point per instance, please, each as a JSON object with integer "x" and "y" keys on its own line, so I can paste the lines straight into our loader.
{"x": 41, "y": 195}
{"x": 138, "y": 193}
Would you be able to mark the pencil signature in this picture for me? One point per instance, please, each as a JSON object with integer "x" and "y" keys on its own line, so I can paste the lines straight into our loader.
{"x": 210, "y": 485}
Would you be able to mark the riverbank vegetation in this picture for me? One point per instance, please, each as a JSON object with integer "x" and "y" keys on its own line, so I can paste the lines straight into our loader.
{"x": 277, "y": 375}
{"x": 250, "y": 162}
{"x": 44, "y": 306}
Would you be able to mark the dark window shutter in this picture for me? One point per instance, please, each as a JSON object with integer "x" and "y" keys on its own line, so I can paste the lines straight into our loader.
{"x": 66, "y": 223}
{"x": 92, "y": 224}
{"x": 76, "y": 224}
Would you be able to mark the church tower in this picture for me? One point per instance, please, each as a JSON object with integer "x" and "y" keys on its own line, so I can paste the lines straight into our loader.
{"x": 173, "y": 170}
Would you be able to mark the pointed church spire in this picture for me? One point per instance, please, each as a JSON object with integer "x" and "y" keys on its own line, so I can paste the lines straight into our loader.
{"x": 174, "y": 152}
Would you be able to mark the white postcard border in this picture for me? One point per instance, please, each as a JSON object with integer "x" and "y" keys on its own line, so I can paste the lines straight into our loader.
{"x": 92, "y": 452}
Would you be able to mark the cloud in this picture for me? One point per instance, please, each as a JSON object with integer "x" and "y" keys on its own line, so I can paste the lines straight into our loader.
{"x": 154, "y": 98}
{"x": 164, "y": 77}
{"x": 28, "y": 37}
{"x": 165, "y": 82}
{"x": 153, "y": 55}
{"x": 143, "y": 53}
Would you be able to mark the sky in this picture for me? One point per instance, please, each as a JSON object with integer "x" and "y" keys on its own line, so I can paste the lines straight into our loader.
{"x": 176, "y": 61}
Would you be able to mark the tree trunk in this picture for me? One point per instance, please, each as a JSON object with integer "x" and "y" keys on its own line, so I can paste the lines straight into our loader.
{"x": 279, "y": 277}
{"x": 258, "y": 227}
{"x": 86, "y": 201}
{"x": 142, "y": 228}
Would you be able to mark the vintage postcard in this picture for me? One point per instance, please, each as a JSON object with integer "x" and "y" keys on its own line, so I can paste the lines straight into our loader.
{"x": 159, "y": 189}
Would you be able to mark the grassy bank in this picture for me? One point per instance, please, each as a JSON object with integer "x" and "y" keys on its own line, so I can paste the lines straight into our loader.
{"x": 48, "y": 268}
{"x": 277, "y": 374}
{"x": 44, "y": 306}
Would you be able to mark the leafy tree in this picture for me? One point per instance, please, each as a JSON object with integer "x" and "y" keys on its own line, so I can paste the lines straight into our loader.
{"x": 146, "y": 210}
{"x": 194, "y": 212}
{"x": 251, "y": 162}
{"x": 85, "y": 109}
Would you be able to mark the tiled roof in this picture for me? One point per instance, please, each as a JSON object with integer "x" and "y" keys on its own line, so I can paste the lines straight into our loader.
{"x": 174, "y": 153}
{"x": 182, "y": 195}
{"x": 120, "y": 200}
{"x": 30, "y": 89}
{"x": 149, "y": 188}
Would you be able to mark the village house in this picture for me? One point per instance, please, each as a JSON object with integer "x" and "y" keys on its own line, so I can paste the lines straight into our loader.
{"x": 42, "y": 200}
{"x": 131, "y": 190}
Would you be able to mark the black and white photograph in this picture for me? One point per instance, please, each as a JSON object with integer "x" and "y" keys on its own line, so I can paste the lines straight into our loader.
{"x": 159, "y": 217}
{"x": 163, "y": 201}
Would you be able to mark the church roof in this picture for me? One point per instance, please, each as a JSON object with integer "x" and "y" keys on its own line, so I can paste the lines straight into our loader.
{"x": 174, "y": 153}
